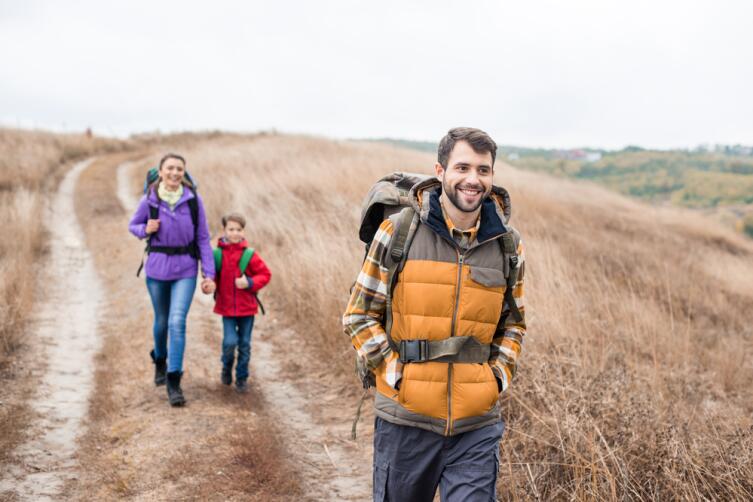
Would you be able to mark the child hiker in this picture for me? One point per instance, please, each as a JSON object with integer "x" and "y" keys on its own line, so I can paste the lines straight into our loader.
{"x": 241, "y": 273}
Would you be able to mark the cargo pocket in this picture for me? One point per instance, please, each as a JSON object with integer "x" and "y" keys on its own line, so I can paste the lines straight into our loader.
{"x": 381, "y": 473}
{"x": 488, "y": 277}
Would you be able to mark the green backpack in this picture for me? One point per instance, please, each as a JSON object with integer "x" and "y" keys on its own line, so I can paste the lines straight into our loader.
{"x": 248, "y": 253}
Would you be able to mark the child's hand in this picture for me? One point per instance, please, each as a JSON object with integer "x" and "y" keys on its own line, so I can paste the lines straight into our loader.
{"x": 152, "y": 226}
{"x": 241, "y": 282}
{"x": 208, "y": 286}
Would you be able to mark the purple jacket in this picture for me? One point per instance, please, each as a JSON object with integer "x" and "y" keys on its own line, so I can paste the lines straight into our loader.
{"x": 175, "y": 230}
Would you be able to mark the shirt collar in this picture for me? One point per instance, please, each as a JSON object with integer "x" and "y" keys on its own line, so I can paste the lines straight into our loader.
{"x": 463, "y": 237}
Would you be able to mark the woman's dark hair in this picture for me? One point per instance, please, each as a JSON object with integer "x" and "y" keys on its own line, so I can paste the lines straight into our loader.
{"x": 172, "y": 156}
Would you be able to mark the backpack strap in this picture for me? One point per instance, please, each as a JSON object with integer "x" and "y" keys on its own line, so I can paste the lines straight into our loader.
{"x": 248, "y": 253}
{"x": 406, "y": 222}
{"x": 217, "y": 260}
{"x": 153, "y": 215}
{"x": 193, "y": 206}
{"x": 512, "y": 267}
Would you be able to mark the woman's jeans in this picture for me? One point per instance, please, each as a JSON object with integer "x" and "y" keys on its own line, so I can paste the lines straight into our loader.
{"x": 236, "y": 332}
{"x": 171, "y": 301}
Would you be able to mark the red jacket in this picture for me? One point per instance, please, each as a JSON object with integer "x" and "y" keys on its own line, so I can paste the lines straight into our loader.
{"x": 229, "y": 300}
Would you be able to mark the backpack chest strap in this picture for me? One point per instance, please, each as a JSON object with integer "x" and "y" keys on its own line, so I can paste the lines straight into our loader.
{"x": 456, "y": 349}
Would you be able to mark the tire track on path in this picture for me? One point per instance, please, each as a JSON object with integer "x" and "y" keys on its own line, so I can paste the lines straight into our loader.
{"x": 66, "y": 325}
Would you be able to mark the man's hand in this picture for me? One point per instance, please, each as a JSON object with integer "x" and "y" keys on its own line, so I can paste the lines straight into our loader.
{"x": 152, "y": 226}
{"x": 208, "y": 286}
{"x": 241, "y": 282}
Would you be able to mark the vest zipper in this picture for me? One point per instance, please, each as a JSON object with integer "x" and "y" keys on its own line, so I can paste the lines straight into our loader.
{"x": 453, "y": 327}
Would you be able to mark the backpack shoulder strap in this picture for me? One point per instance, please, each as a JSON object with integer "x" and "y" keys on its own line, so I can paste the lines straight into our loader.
{"x": 509, "y": 245}
{"x": 153, "y": 210}
{"x": 217, "y": 260}
{"x": 193, "y": 205}
{"x": 405, "y": 223}
{"x": 248, "y": 253}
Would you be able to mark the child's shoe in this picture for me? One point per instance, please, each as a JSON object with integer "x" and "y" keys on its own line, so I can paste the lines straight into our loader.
{"x": 241, "y": 386}
{"x": 227, "y": 375}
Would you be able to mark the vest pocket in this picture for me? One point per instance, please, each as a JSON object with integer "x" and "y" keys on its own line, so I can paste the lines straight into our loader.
{"x": 488, "y": 277}
{"x": 423, "y": 389}
{"x": 475, "y": 390}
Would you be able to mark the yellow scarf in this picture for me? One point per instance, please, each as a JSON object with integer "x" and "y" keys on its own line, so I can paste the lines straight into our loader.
{"x": 171, "y": 198}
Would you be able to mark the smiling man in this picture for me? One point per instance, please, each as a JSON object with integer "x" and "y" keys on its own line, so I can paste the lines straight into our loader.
{"x": 442, "y": 336}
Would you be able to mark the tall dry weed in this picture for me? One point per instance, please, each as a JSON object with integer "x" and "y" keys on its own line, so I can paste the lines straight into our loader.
{"x": 22, "y": 216}
{"x": 636, "y": 373}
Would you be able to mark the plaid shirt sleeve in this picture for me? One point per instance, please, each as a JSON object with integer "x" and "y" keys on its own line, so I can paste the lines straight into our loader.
{"x": 363, "y": 320}
{"x": 508, "y": 338}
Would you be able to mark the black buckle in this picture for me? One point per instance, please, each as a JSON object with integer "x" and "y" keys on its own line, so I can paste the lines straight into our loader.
{"x": 413, "y": 351}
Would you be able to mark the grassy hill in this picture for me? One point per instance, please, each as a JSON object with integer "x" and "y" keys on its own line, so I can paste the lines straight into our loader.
{"x": 720, "y": 182}
{"x": 636, "y": 378}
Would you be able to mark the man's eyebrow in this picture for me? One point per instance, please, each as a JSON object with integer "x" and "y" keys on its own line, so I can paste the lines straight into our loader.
{"x": 467, "y": 164}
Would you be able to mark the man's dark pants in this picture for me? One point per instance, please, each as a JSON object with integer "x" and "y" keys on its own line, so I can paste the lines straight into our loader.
{"x": 410, "y": 462}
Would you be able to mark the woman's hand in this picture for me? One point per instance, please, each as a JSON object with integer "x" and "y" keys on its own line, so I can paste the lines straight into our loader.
{"x": 208, "y": 286}
{"x": 152, "y": 226}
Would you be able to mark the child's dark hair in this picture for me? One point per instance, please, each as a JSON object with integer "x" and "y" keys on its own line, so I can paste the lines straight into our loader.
{"x": 236, "y": 217}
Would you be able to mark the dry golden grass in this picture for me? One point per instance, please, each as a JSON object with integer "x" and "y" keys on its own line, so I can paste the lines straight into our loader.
{"x": 31, "y": 164}
{"x": 636, "y": 375}
{"x": 636, "y": 381}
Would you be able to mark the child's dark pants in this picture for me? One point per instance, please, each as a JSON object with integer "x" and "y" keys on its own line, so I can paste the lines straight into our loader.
{"x": 236, "y": 332}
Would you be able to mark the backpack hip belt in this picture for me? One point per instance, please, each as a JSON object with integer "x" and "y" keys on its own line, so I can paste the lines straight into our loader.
{"x": 457, "y": 349}
{"x": 192, "y": 249}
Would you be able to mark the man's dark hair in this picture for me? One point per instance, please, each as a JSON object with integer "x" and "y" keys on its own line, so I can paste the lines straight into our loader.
{"x": 478, "y": 139}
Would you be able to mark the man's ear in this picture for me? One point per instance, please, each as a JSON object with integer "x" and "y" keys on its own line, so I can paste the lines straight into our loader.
{"x": 439, "y": 170}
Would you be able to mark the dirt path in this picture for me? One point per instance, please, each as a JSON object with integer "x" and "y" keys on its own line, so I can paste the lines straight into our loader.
{"x": 66, "y": 325}
{"x": 307, "y": 404}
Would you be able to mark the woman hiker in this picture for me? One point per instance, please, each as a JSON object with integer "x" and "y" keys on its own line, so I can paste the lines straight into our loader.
{"x": 171, "y": 216}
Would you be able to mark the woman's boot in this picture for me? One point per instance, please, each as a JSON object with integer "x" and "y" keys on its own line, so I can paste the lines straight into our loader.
{"x": 174, "y": 392}
{"x": 160, "y": 367}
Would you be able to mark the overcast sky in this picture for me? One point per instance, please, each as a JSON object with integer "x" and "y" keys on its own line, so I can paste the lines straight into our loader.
{"x": 558, "y": 73}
